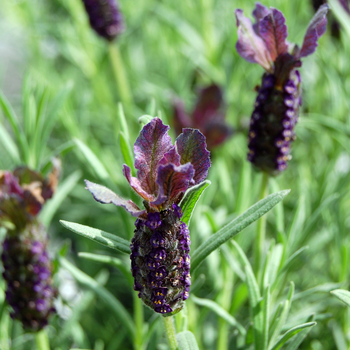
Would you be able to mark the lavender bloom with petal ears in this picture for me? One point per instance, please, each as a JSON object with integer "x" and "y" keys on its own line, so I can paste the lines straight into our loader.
{"x": 27, "y": 266}
{"x": 276, "y": 108}
{"x": 160, "y": 261}
{"x": 105, "y": 17}
{"x": 207, "y": 116}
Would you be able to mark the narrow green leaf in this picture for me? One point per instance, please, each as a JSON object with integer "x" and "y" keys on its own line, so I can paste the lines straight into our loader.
{"x": 62, "y": 192}
{"x": 105, "y": 259}
{"x": 256, "y": 308}
{"x": 338, "y": 336}
{"x": 232, "y": 262}
{"x": 235, "y": 226}
{"x": 273, "y": 262}
{"x": 99, "y": 236}
{"x": 291, "y": 333}
{"x": 266, "y": 315}
{"x": 9, "y": 145}
{"x": 277, "y": 327}
{"x": 112, "y": 302}
{"x": 93, "y": 160}
{"x": 189, "y": 201}
{"x": 215, "y": 307}
{"x": 126, "y": 151}
{"x": 186, "y": 341}
{"x": 123, "y": 124}
{"x": 342, "y": 295}
{"x": 15, "y": 125}
{"x": 299, "y": 338}
{"x": 322, "y": 288}
{"x": 291, "y": 258}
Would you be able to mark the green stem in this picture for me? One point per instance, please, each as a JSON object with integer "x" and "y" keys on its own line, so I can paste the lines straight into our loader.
{"x": 42, "y": 341}
{"x": 170, "y": 332}
{"x": 138, "y": 318}
{"x": 261, "y": 226}
{"x": 223, "y": 335}
{"x": 120, "y": 76}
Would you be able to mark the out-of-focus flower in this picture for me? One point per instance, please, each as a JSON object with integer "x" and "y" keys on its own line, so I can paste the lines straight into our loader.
{"x": 27, "y": 267}
{"x": 207, "y": 116}
{"x": 276, "y": 108}
{"x": 105, "y": 17}
{"x": 160, "y": 262}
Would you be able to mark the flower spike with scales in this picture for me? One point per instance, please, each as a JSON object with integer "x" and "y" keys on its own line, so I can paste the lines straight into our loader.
{"x": 160, "y": 261}
{"x": 276, "y": 108}
{"x": 27, "y": 266}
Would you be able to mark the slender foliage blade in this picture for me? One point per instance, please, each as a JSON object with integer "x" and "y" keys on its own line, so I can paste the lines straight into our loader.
{"x": 190, "y": 199}
{"x": 99, "y": 236}
{"x": 236, "y": 226}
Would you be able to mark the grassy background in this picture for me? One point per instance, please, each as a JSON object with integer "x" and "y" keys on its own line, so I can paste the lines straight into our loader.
{"x": 54, "y": 68}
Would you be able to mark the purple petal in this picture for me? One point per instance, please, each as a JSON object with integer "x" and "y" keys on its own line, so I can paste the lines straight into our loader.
{"x": 181, "y": 118}
{"x": 135, "y": 184}
{"x": 273, "y": 31}
{"x": 149, "y": 149}
{"x": 192, "y": 148}
{"x": 173, "y": 180}
{"x": 170, "y": 157}
{"x": 249, "y": 45}
{"x": 209, "y": 102}
{"x": 259, "y": 13}
{"x": 315, "y": 30}
{"x": 105, "y": 196}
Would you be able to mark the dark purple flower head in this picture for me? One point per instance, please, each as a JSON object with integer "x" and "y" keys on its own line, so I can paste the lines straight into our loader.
{"x": 23, "y": 193}
{"x": 207, "y": 116}
{"x": 159, "y": 250}
{"x": 27, "y": 272}
{"x": 276, "y": 108}
{"x": 105, "y": 17}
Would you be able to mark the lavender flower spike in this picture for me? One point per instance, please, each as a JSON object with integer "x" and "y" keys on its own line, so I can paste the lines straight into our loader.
{"x": 27, "y": 267}
{"x": 276, "y": 108}
{"x": 160, "y": 261}
{"x": 105, "y": 17}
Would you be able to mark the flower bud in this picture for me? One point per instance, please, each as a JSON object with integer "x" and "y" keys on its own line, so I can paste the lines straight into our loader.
{"x": 160, "y": 263}
{"x": 105, "y": 17}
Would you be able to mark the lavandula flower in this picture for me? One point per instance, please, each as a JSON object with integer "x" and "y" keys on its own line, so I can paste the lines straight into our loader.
{"x": 276, "y": 108}
{"x": 105, "y": 17}
{"x": 207, "y": 116}
{"x": 27, "y": 267}
{"x": 160, "y": 261}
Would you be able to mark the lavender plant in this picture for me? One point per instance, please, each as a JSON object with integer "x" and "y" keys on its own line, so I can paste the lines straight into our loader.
{"x": 208, "y": 116}
{"x": 276, "y": 109}
{"x": 27, "y": 266}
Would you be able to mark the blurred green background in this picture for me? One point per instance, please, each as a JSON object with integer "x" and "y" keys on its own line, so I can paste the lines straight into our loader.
{"x": 54, "y": 70}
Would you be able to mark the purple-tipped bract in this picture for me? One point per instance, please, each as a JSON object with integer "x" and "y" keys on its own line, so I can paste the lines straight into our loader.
{"x": 207, "y": 116}
{"x": 160, "y": 261}
{"x": 279, "y": 96}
